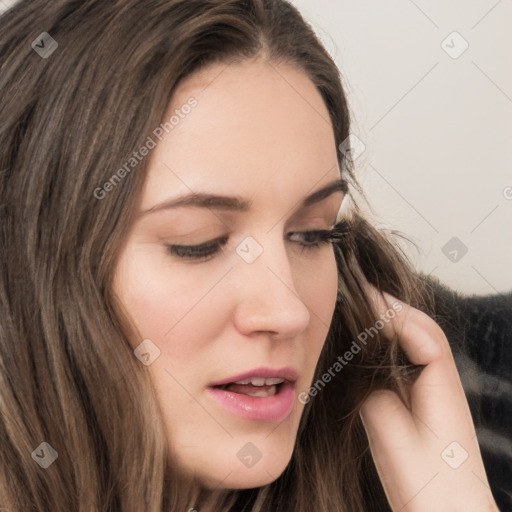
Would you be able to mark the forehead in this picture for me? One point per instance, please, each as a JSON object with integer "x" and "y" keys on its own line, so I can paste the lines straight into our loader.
{"x": 255, "y": 126}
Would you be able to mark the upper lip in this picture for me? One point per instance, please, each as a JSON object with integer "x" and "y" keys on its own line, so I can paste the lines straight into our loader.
{"x": 286, "y": 373}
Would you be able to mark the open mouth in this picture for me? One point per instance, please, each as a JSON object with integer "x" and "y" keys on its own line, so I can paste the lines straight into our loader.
{"x": 256, "y": 398}
{"x": 257, "y": 387}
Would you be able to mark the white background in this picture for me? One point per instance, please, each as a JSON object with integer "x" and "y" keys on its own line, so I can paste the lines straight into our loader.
{"x": 437, "y": 129}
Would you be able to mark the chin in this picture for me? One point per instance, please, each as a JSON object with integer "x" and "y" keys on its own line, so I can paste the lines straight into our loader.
{"x": 248, "y": 478}
{"x": 246, "y": 466}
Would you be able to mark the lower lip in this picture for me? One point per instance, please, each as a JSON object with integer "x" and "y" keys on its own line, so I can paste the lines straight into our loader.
{"x": 269, "y": 408}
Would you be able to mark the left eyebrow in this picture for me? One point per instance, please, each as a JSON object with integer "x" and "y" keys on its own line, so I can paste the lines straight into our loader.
{"x": 339, "y": 185}
{"x": 232, "y": 203}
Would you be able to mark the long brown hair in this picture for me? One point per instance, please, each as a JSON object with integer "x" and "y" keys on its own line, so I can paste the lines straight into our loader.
{"x": 68, "y": 376}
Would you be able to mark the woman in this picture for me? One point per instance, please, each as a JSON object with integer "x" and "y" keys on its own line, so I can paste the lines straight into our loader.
{"x": 187, "y": 321}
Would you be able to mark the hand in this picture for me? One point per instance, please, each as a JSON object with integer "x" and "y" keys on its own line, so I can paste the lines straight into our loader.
{"x": 427, "y": 454}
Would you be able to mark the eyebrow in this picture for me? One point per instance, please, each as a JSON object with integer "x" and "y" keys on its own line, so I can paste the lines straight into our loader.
{"x": 235, "y": 203}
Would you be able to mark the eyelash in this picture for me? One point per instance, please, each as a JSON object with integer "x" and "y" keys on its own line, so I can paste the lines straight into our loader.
{"x": 209, "y": 249}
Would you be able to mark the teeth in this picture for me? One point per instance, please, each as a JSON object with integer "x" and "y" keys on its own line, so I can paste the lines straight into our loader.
{"x": 273, "y": 381}
{"x": 245, "y": 381}
{"x": 262, "y": 393}
{"x": 260, "y": 381}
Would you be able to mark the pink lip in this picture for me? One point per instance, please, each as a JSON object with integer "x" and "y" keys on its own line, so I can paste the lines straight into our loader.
{"x": 270, "y": 408}
{"x": 282, "y": 373}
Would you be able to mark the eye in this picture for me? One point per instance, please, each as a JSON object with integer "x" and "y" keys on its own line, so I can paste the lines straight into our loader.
{"x": 203, "y": 252}
{"x": 313, "y": 239}
{"x": 198, "y": 252}
{"x": 316, "y": 239}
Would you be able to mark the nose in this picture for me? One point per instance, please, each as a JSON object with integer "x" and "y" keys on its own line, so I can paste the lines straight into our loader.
{"x": 268, "y": 301}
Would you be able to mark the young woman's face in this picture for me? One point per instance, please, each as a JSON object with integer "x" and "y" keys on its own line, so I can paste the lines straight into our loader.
{"x": 246, "y": 163}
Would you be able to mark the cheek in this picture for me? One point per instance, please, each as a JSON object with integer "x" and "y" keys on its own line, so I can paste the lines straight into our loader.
{"x": 181, "y": 308}
{"x": 167, "y": 304}
{"x": 318, "y": 290}
{"x": 326, "y": 291}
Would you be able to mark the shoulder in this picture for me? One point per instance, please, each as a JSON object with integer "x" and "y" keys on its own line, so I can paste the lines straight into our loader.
{"x": 479, "y": 326}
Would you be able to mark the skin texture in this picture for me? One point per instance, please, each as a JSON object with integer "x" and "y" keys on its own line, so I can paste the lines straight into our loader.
{"x": 260, "y": 131}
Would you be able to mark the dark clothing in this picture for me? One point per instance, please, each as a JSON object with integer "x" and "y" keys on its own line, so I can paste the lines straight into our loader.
{"x": 479, "y": 329}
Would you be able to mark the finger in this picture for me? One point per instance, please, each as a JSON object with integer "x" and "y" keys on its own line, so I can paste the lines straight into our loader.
{"x": 437, "y": 392}
{"x": 437, "y": 398}
{"x": 394, "y": 442}
{"x": 387, "y": 422}
{"x": 436, "y": 426}
{"x": 420, "y": 337}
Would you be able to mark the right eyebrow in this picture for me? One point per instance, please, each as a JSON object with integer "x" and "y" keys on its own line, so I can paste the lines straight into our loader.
{"x": 236, "y": 203}
{"x": 203, "y": 200}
